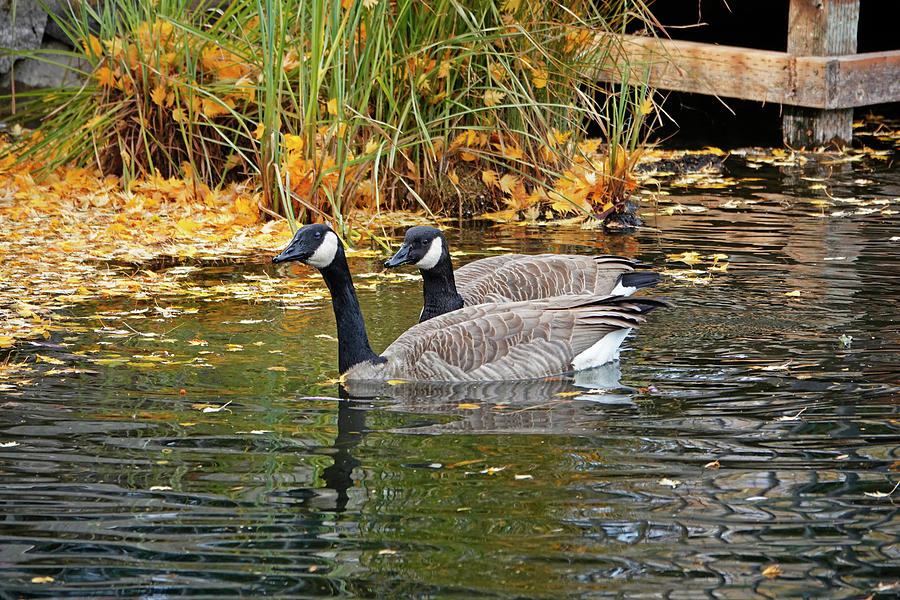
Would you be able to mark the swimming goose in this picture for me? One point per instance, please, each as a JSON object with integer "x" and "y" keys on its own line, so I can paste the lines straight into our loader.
{"x": 486, "y": 342}
{"x": 511, "y": 277}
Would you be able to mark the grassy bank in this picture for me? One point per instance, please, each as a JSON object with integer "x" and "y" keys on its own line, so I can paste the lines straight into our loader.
{"x": 329, "y": 106}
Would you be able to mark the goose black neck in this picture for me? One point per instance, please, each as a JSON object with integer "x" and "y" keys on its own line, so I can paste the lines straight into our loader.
{"x": 439, "y": 290}
{"x": 353, "y": 342}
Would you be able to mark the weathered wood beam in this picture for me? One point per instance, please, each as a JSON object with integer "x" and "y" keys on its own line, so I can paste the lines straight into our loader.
{"x": 820, "y": 28}
{"x": 824, "y": 82}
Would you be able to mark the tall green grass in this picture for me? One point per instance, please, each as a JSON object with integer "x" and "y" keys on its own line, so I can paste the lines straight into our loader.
{"x": 330, "y": 104}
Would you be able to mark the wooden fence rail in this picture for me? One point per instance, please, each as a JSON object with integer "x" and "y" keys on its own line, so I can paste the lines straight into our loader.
{"x": 820, "y": 79}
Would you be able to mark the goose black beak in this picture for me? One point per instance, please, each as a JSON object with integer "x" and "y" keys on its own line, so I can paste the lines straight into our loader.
{"x": 292, "y": 252}
{"x": 401, "y": 258}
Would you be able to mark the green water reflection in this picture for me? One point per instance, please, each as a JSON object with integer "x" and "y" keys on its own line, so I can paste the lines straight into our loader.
{"x": 193, "y": 447}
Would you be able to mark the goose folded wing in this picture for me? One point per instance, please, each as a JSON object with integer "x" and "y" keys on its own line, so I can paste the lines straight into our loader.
{"x": 524, "y": 277}
{"x": 481, "y": 268}
{"x": 508, "y": 341}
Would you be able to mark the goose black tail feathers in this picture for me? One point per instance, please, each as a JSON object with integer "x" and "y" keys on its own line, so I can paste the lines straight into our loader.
{"x": 639, "y": 279}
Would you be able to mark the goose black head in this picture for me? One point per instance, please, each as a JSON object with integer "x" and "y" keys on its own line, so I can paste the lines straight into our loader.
{"x": 315, "y": 245}
{"x": 423, "y": 247}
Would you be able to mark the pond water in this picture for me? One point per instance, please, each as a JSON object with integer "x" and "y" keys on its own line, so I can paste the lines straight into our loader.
{"x": 744, "y": 447}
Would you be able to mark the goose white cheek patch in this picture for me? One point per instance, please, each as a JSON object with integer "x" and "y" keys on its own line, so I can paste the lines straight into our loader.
{"x": 433, "y": 255}
{"x": 324, "y": 254}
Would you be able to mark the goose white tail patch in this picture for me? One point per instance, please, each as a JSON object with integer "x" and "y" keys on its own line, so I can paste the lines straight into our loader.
{"x": 431, "y": 258}
{"x": 324, "y": 254}
{"x": 603, "y": 351}
{"x": 622, "y": 290}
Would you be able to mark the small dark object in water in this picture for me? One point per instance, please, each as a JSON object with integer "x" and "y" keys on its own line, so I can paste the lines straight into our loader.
{"x": 687, "y": 163}
{"x": 623, "y": 221}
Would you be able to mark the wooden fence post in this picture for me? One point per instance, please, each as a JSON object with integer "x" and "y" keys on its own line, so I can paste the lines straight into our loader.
{"x": 820, "y": 28}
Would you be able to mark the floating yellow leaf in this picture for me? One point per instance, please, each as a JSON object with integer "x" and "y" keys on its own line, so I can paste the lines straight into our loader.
{"x": 772, "y": 571}
{"x": 468, "y": 406}
{"x": 493, "y": 470}
{"x": 210, "y": 408}
{"x": 465, "y": 462}
{"x": 689, "y": 258}
{"x": 795, "y": 293}
{"x": 46, "y": 579}
{"x": 883, "y": 494}
{"x": 49, "y": 359}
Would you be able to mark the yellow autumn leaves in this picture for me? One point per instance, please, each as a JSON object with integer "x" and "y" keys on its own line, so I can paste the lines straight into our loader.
{"x": 588, "y": 186}
{"x": 341, "y": 113}
{"x": 152, "y": 60}
{"x": 63, "y": 233}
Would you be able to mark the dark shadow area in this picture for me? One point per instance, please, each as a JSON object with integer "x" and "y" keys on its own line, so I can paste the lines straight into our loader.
{"x": 761, "y": 24}
{"x": 697, "y": 120}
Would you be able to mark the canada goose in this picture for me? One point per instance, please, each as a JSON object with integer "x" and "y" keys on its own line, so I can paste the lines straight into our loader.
{"x": 486, "y": 342}
{"x": 511, "y": 277}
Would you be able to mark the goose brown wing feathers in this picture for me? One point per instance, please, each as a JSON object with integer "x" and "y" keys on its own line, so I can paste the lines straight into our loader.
{"x": 469, "y": 273}
{"x": 515, "y": 277}
{"x": 520, "y": 340}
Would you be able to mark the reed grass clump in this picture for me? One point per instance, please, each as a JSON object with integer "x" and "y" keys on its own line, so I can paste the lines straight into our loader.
{"x": 339, "y": 105}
